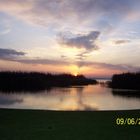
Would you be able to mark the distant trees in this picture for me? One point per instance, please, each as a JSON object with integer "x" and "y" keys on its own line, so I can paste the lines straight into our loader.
{"x": 126, "y": 81}
{"x": 34, "y": 81}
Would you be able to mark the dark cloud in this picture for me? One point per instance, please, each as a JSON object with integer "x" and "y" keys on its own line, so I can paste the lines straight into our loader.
{"x": 81, "y": 41}
{"x": 81, "y": 56}
{"x": 9, "y": 53}
{"x": 117, "y": 42}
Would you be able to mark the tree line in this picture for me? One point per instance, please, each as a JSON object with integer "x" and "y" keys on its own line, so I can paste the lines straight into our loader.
{"x": 34, "y": 81}
{"x": 126, "y": 81}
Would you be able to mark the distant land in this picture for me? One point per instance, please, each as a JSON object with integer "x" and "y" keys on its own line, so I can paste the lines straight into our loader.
{"x": 35, "y": 81}
{"x": 125, "y": 81}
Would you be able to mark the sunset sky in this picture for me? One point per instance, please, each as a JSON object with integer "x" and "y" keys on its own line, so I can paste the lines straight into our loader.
{"x": 96, "y": 38}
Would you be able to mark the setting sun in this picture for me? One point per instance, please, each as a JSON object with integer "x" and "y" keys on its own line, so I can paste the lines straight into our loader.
{"x": 75, "y": 74}
{"x": 75, "y": 70}
{"x": 69, "y": 65}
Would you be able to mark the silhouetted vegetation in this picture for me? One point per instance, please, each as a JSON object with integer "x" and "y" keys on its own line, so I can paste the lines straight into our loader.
{"x": 126, "y": 81}
{"x": 34, "y": 81}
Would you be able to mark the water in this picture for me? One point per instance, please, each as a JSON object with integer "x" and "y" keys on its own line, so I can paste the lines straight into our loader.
{"x": 91, "y": 97}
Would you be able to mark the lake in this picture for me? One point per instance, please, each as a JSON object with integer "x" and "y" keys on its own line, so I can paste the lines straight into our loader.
{"x": 91, "y": 97}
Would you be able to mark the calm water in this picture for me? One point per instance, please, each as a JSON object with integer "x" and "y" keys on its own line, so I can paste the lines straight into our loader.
{"x": 92, "y": 97}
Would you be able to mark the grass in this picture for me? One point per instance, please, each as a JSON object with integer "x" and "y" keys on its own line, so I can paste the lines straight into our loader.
{"x": 67, "y": 125}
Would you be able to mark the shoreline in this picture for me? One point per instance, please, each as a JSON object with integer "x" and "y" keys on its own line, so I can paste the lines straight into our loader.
{"x": 35, "y": 81}
{"x": 45, "y": 110}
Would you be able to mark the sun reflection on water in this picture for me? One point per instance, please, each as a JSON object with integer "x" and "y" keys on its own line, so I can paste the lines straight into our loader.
{"x": 93, "y": 97}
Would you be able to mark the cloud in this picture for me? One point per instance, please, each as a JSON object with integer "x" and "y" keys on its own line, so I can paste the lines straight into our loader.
{"x": 82, "y": 56}
{"x": 9, "y": 53}
{"x": 117, "y": 42}
{"x": 80, "y": 64}
{"x": 5, "y": 26}
{"x": 81, "y": 41}
{"x": 6, "y": 31}
{"x": 41, "y": 61}
{"x": 81, "y": 15}
{"x": 99, "y": 65}
{"x": 66, "y": 12}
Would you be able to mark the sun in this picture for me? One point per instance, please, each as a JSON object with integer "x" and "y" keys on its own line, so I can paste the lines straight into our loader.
{"x": 75, "y": 74}
{"x": 74, "y": 70}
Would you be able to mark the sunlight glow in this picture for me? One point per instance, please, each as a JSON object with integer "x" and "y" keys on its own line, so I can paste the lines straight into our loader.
{"x": 74, "y": 70}
{"x": 75, "y": 74}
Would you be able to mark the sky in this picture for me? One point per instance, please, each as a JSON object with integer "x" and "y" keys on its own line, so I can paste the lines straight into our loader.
{"x": 97, "y": 38}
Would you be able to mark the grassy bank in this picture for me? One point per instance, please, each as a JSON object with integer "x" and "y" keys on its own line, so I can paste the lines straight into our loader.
{"x": 58, "y": 125}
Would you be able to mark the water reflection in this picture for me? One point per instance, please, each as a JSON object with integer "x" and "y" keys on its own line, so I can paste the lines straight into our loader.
{"x": 80, "y": 100}
{"x": 126, "y": 93}
{"x": 92, "y": 97}
{"x": 9, "y": 100}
